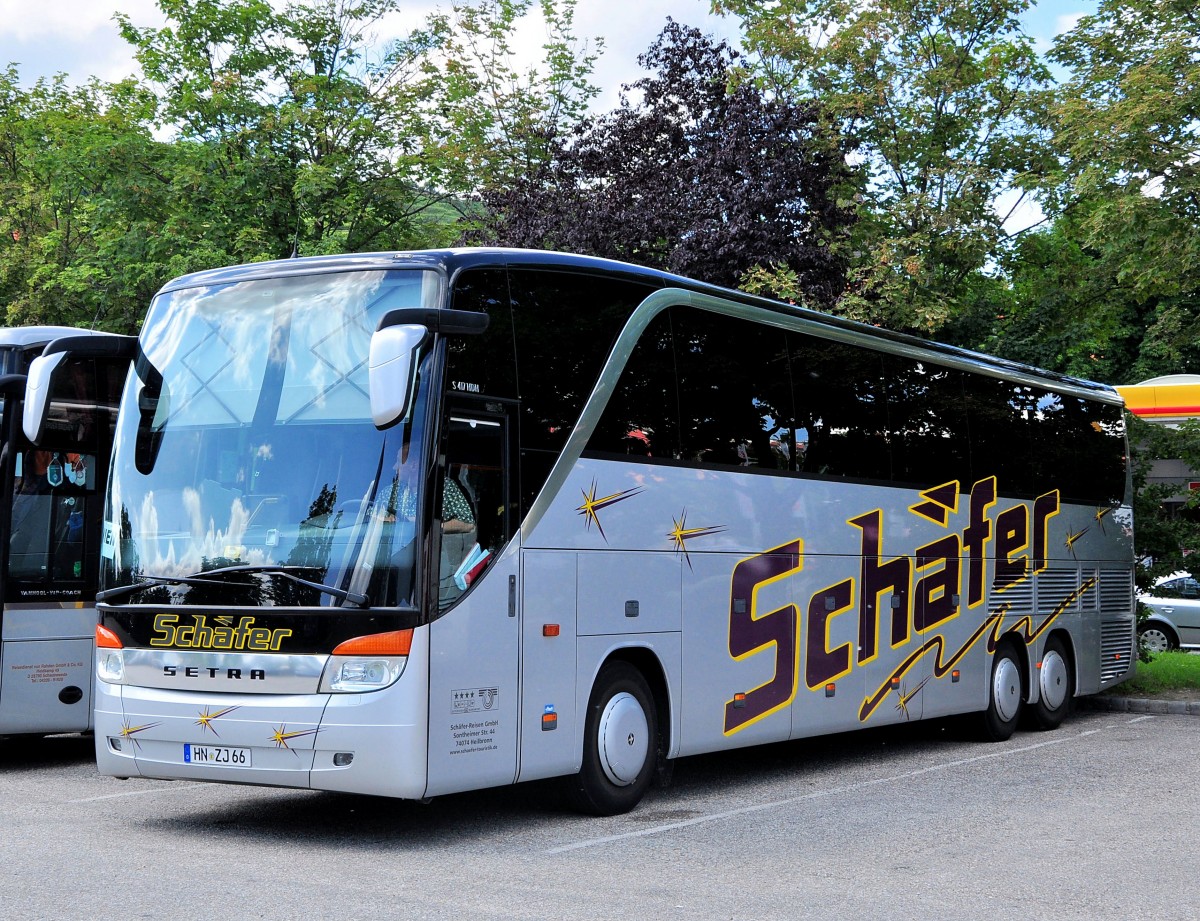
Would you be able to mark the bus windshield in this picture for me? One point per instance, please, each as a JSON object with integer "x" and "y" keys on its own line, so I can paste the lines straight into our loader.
{"x": 248, "y": 415}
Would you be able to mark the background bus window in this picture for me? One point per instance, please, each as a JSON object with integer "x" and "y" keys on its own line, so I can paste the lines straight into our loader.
{"x": 51, "y": 490}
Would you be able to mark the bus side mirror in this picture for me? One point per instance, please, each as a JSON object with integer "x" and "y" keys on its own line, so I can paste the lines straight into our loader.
{"x": 392, "y": 371}
{"x": 37, "y": 394}
{"x": 154, "y": 403}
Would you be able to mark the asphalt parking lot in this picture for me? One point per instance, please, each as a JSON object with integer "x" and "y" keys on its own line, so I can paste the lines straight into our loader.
{"x": 1095, "y": 820}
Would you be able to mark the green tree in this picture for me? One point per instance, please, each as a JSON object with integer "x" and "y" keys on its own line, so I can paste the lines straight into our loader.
{"x": 297, "y": 134}
{"x": 941, "y": 101}
{"x": 83, "y": 193}
{"x": 495, "y": 121}
{"x": 1128, "y": 132}
{"x": 691, "y": 175}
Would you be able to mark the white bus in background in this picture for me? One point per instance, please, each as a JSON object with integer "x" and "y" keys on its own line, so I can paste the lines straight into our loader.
{"x": 50, "y": 519}
{"x": 417, "y": 523}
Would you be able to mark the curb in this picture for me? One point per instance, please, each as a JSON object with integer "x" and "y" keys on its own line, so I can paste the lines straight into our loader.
{"x": 1139, "y": 705}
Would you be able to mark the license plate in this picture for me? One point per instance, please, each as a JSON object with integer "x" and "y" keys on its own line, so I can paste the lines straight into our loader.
{"x": 220, "y": 755}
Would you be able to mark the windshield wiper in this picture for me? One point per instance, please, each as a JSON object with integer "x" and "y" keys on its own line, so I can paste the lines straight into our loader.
{"x": 150, "y": 581}
{"x": 354, "y": 598}
{"x": 121, "y": 591}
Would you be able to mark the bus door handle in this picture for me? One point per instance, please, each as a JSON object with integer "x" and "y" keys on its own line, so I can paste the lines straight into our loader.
{"x": 512, "y": 596}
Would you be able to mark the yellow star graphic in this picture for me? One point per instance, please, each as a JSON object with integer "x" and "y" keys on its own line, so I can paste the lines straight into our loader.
{"x": 1073, "y": 539}
{"x": 680, "y": 534}
{"x": 281, "y": 736}
{"x": 206, "y": 719}
{"x": 592, "y": 505}
{"x": 129, "y": 732}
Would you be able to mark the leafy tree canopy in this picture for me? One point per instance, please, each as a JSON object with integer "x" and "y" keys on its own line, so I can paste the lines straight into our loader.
{"x": 1128, "y": 129}
{"x": 940, "y": 101}
{"x": 693, "y": 175}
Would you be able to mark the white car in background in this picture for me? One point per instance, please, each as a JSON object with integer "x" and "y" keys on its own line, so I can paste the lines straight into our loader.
{"x": 1174, "y": 620}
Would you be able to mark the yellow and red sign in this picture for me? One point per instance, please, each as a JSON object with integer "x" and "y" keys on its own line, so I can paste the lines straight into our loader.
{"x": 1170, "y": 399}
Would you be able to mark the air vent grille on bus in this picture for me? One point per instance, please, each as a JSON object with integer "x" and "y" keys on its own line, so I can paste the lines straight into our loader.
{"x": 1116, "y": 591}
{"x": 1019, "y": 598}
{"x": 1116, "y": 648}
{"x": 1055, "y": 586}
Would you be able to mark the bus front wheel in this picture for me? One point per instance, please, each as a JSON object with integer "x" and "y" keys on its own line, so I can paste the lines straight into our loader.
{"x": 620, "y": 743}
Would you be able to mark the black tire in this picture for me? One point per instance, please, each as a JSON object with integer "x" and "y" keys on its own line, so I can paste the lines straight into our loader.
{"x": 620, "y": 743}
{"x": 1056, "y": 686}
{"x": 1157, "y": 637}
{"x": 1005, "y": 692}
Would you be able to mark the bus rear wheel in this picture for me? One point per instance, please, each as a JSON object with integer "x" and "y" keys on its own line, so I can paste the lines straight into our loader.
{"x": 1004, "y": 695}
{"x": 1056, "y": 686}
{"x": 620, "y": 743}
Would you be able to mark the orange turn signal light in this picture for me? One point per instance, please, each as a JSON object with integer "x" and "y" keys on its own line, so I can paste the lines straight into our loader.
{"x": 106, "y": 639}
{"x": 395, "y": 643}
{"x": 549, "y": 629}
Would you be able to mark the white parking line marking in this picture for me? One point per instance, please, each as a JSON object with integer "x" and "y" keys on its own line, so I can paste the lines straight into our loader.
{"x": 817, "y": 794}
{"x": 173, "y": 788}
{"x": 1139, "y": 719}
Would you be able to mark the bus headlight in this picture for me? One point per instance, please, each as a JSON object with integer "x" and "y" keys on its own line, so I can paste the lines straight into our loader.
{"x": 110, "y": 656}
{"x": 110, "y": 665}
{"x": 367, "y": 663}
{"x": 353, "y": 674}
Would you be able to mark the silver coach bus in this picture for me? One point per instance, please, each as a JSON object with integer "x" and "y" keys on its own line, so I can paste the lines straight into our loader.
{"x": 417, "y": 523}
{"x": 51, "y": 521}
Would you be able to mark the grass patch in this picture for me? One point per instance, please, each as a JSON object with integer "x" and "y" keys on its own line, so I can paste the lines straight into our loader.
{"x": 1167, "y": 671}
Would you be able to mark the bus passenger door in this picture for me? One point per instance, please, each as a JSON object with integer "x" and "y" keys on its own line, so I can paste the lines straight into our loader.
{"x": 473, "y": 693}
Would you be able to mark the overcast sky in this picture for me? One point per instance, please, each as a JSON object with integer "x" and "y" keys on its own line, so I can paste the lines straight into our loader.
{"x": 79, "y": 38}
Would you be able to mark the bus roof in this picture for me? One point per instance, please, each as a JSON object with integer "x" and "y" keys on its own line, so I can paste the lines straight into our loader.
{"x": 453, "y": 261}
{"x": 25, "y": 336}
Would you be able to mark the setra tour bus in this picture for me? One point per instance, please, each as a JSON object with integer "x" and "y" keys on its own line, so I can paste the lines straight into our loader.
{"x": 49, "y": 559}
{"x": 417, "y": 523}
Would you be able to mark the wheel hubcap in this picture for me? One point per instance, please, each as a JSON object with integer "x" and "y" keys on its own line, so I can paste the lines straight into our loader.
{"x": 1155, "y": 640}
{"x": 1006, "y": 689}
{"x": 1053, "y": 680}
{"x": 624, "y": 739}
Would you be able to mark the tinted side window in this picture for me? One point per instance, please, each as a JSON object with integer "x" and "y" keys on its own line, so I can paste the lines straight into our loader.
{"x": 565, "y": 325}
{"x": 998, "y": 419}
{"x": 1079, "y": 448}
{"x": 926, "y": 423}
{"x": 642, "y": 415}
{"x": 841, "y": 415}
{"x": 487, "y": 361}
{"x": 1178, "y": 588}
{"x": 735, "y": 389}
